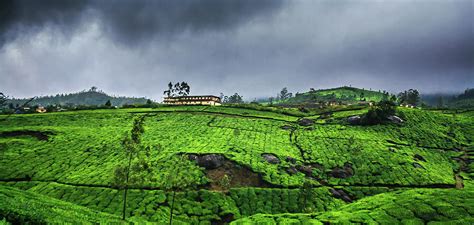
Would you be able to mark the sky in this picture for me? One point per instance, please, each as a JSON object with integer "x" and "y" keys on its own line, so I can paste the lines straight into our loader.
{"x": 254, "y": 48}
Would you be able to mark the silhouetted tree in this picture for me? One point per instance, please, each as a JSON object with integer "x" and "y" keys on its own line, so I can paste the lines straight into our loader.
{"x": 412, "y": 96}
{"x": 233, "y": 99}
{"x": 284, "y": 94}
{"x": 108, "y": 103}
{"x": 3, "y": 99}
{"x": 440, "y": 102}
{"x": 178, "y": 89}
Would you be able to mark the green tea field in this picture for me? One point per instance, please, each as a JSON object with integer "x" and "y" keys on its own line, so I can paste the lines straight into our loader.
{"x": 220, "y": 165}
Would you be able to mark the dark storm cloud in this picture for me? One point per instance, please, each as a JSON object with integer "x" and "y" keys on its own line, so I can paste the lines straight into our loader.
{"x": 250, "y": 47}
{"x": 21, "y": 17}
{"x": 130, "y": 22}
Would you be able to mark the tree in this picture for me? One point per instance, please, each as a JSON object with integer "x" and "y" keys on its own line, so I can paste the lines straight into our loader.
{"x": 412, "y": 97}
{"x": 149, "y": 102}
{"x": 284, "y": 94}
{"x": 361, "y": 96}
{"x": 108, "y": 103}
{"x": 235, "y": 99}
{"x": 3, "y": 99}
{"x": 93, "y": 89}
{"x": 178, "y": 89}
{"x": 270, "y": 100}
{"x": 380, "y": 112}
{"x": 440, "y": 102}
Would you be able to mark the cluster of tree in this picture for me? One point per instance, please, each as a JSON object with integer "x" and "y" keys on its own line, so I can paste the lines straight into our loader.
{"x": 411, "y": 97}
{"x": 468, "y": 94}
{"x": 380, "y": 112}
{"x": 233, "y": 99}
{"x": 283, "y": 95}
{"x": 177, "y": 89}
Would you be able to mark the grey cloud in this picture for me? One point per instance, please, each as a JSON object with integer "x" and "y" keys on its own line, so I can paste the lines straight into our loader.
{"x": 250, "y": 47}
{"x": 128, "y": 22}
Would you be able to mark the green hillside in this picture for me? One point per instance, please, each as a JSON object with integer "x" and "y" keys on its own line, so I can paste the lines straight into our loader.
{"x": 343, "y": 94}
{"x": 24, "y": 207}
{"x": 86, "y": 98}
{"x": 418, "y": 206}
{"x": 223, "y": 164}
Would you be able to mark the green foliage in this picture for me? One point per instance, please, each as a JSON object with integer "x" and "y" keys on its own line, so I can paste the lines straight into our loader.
{"x": 22, "y": 207}
{"x": 418, "y": 206}
{"x": 87, "y": 155}
{"x": 380, "y": 112}
{"x": 343, "y": 94}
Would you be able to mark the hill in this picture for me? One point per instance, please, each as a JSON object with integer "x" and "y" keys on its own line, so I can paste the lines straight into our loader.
{"x": 91, "y": 97}
{"x": 342, "y": 94}
{"x": 220, "y": 164}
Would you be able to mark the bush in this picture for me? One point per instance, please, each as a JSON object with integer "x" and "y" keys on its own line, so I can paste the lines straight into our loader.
{"x": 379, "y": 113}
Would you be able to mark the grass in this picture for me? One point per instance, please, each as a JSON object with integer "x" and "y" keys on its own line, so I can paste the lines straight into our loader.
{"x": 78, "y": 161}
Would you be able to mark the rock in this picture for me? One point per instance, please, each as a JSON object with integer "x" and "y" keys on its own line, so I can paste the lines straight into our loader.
{"x": 417, "y": 165}
{"x": 344, "y": 172}
{"x": 307, "y": 170}
{"x": 193, "y": 157}
{"x": 287, "y": 127}
{"x": 292, "y": 170}
{"x": 419, "y": 158}
{"x": 340, "y": 194}
{"x": 209, "y": 161}
{"x": 354, "y": 119}
{"x": 271, "y": 158}
{"x": 305, "y": 122}
{"x": 290, "y": 159}
{"x": 395, "y": 119}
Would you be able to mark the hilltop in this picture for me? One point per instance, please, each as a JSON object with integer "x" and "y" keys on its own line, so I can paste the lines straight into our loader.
{"x": 340, "y": 94}
{"x": 91, "y": 97}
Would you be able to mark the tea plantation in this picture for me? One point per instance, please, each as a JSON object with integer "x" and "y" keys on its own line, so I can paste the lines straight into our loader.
{"x": 218, "y": 165}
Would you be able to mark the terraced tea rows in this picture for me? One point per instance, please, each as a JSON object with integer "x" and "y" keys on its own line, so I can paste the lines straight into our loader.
{"x": 264, "y": 162}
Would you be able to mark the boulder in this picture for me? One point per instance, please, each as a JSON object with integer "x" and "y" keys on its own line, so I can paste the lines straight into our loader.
{"x": 419, "y": 158}
{"x": 341, "y": 194}
{"x": 417, "y": 165}
{"x": 354, "y": 119}
{"x": 287, "y": 127}
{"x": 344, "y": 172}
{"x": 209, "y": 161}
{"x": 395, "y": 119}
{"x": 305, "y": 122}
{"x": 290, "y": 160}
{"x": 271, "y": 158}
{"x": 292, "y": 170}
{"x": 307, "y": 170}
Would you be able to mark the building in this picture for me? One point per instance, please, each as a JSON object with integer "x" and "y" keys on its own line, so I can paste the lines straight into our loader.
{"x": 193, "y": 100}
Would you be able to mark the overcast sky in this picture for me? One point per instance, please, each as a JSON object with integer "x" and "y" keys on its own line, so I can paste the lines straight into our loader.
{"x": 134, "y": 48}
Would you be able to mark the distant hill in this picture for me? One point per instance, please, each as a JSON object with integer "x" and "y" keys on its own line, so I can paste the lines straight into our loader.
{"x": 344, "y": 94}
{"x": 463, "y": 100}
{"x": 91, "y": 97}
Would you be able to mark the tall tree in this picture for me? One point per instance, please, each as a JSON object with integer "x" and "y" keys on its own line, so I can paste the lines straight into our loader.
{"x": 3, "y": 99}
{"x": 108, "y": 103}
{"x": 284, "y": 94}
